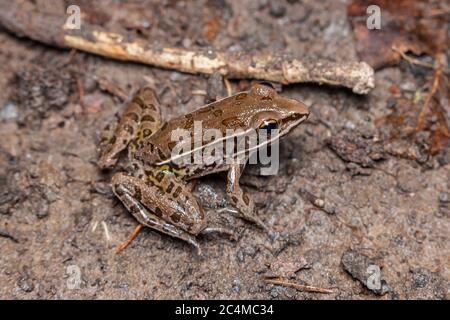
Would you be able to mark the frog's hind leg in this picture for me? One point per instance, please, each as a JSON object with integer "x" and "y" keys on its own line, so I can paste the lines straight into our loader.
{"x": 154, "y": 206}
{"x": 141, "y": 118}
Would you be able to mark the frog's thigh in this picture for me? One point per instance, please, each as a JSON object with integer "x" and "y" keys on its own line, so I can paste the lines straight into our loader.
{"x": 154, "y": 209}
{"x": 141, "y": 118}
{"x": 240, "y": 199}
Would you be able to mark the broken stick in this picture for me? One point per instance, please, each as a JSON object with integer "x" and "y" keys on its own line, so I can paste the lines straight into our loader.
{"x": 28, "y": 21}
{"x": 297, "y": 286}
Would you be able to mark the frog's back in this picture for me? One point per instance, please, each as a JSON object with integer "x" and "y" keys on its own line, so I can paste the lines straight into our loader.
{"x": 229, "y": 113}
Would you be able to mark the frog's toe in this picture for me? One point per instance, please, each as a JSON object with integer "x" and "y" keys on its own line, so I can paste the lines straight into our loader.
{"x": 210, "y": 230}
{"x": 197, "y": 248}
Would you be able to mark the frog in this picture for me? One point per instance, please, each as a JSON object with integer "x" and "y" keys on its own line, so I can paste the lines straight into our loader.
{"x": 155, "y": 188}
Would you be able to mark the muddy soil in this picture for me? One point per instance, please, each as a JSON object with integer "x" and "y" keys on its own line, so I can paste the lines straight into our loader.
{"x": 338, "y": 215}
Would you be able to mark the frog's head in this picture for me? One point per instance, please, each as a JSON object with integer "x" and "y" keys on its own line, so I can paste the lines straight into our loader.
{"x": 276, "y": 112}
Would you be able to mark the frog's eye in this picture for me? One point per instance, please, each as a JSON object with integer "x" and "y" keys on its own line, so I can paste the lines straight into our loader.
{"x": 270, "y": 124}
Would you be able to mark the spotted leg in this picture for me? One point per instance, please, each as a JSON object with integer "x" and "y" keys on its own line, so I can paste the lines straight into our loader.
{"x": 241, "y": 200}
{"x": 160, "y": 201}
{"x": 142, "y": 117}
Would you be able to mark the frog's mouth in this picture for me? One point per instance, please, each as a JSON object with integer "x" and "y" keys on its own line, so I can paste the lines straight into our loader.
{"x": 291, "y": 122}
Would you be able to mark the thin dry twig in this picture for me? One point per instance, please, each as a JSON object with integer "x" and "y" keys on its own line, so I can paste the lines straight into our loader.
{"x": 80, "y": 92}
{"x": 50, "y": 29}
{"x": 297, "y": 286}
{"x": 414, "y": 61}
{"x": 421, "y": 119}
{"x": 130, "y": 238}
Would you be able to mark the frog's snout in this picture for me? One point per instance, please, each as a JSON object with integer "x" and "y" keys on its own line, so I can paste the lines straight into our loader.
{"x": 297, "y": 108}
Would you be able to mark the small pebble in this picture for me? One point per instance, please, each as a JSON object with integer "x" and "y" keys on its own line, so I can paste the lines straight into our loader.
{"x": 391, "y": 103}
{"x": 237, "y": 285}
{"x": 274, "y": 293}
{"x": 277, "y": 9}
{"x": 9, "y": 111}
{"x": 240, "y": 255}
{"x": 443, "y": 197}
{"x": 319, "y": 203}
{"x": 186, "y": 43}
{"x": 42, "y": 210}
{"x": 25, "y": 284}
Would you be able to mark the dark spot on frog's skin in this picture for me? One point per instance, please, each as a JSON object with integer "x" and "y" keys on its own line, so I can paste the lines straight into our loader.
{"x": 149, "y": 173}
{"x": 163, "y": 126}
{"x": 177, "y": 192}
{"x": 124, "y": 141}
{"x": 134, "y": 208}
{"x": 188, "y": 124}
{"x": 158, "y": 212}
{"x": 205, "y": 110}
{"x": 175, "y": 217}
{"x": 118, "y": 190}
{"x": 133, "y": 116}
{"x": 139, "y": 102}
{"x": 147, "y": 133}
{"x": 161, "y": 154}
{"x": 241, "y": 96}
{"x": 246, "y": 199}
{"x": 141, "y": 176}
{"x": 137, "y": 194}
{"x": 160, "y": 176}
{"x": 108, "y": 127}
{"x": 170, "y": 187}
{"x": 234, "y": 199}
{"x": 128, "y": 129}
{"x": 218, "y": 113}
{"x": 232, "y": 122}
{"x": 113, "y": 140}
{"x": 171, "y": 145}
{"x": 160, "y": 192}
{"x": 147, "y": 118}
{"x": 103, "y": 140}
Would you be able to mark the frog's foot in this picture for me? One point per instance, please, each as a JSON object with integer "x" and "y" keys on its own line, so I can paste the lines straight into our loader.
{"x": 241, "y": 200}
{"x": 211, "y": 230}
{"x": 142, "y": 117}
{"x": 142, "y": 199}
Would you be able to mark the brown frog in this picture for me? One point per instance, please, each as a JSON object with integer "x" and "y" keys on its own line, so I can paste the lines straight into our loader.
{"x": 155, "y": 189}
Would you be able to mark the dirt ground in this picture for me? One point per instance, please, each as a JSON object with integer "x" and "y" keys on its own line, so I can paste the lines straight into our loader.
{"x": 59, "y": 219}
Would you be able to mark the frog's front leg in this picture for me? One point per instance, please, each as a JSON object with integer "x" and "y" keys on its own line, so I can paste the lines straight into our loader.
{"x": 240, "y": 199}
{"x": 141, "y": 118}
{"x": 162, "y": 202}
